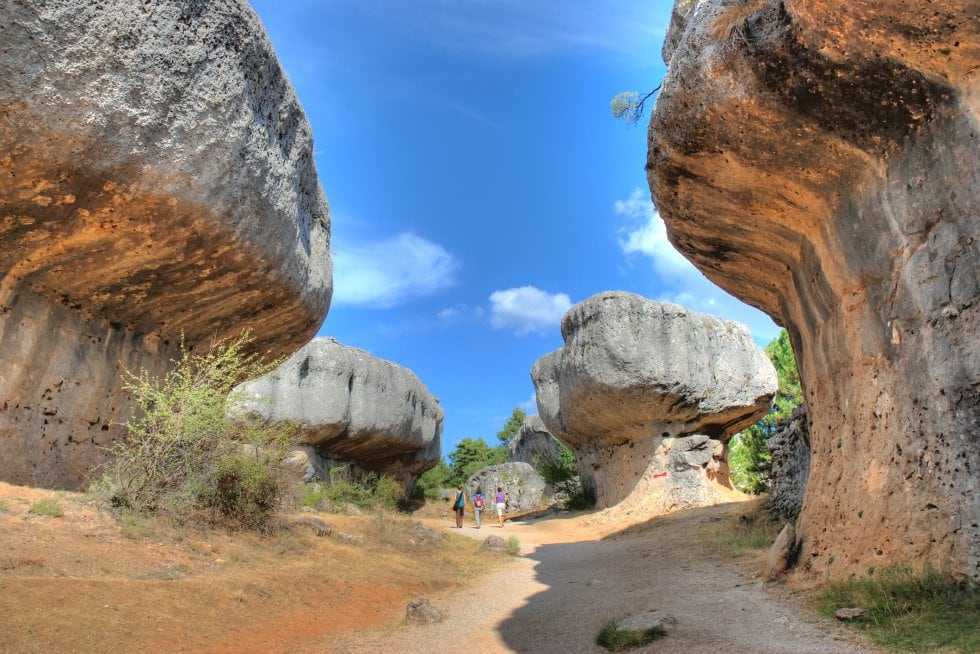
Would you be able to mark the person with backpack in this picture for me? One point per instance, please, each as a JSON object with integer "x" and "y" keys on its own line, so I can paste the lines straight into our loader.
{"x": 478, "y": 503}
{"x": 458, "y": 504}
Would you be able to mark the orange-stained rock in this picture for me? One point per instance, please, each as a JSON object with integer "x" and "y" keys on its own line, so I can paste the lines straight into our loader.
{"x": 820, "y": 161}
{"x": 156, "y": 179}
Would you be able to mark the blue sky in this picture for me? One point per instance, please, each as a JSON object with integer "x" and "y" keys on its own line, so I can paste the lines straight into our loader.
{"x": 478, "y": 183}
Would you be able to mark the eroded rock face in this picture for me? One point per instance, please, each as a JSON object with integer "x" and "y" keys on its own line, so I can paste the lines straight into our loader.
{"x": 819, "y": 160}
{"x": 643, "y": 388}
{"x": 532, "y": 441}
{"x": 527, "y": 490}
{"x": 354, "y": 407}
{"x": 790, "y": 471}
{"x": 156, "y": 178}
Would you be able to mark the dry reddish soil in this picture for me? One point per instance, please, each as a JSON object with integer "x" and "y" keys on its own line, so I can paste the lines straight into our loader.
{"x": 89, "y": 582}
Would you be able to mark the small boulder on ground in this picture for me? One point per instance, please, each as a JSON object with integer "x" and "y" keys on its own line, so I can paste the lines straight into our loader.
{"x": 317, "y": 526}
{"x": 494, "y": 544}
{"x": 421, "y": 611}
{"x": 781, "y": 554}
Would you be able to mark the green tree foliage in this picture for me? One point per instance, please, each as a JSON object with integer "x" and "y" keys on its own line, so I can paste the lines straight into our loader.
{"x": 512, "y": 426}
{"x": 470, "y": 456}
{"x": 432, "y": 480}
{"x": 562, "y": 473}
{"x": 748, "y": 454}
{"x": 629, "y": 105}
{"x": 184, "y": 451}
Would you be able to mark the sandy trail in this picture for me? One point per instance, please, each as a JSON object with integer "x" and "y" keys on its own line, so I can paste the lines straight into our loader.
{"x": 572, "y": 580}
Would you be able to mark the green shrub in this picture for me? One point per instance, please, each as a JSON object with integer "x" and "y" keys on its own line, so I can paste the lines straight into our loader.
{"x": 367, "y": 491}
{"x": 615, "y": 639}
{"x": 513, "y": 546}
{"x": 311, "y": 494}
{"x": 910, "y": 611}
{"x": 187, "y": 449}
{"x": 3, "y": 506}
{"x": 48, "y": 506}
{"x": 247, "y": 488}
{"x": 561, "y": 472}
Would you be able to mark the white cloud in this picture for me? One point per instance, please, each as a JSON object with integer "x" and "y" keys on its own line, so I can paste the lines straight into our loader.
{"x": 530, "y": 405}
{"x": 391, "y": 272}
{"x": 527, "y": 309}
{"x": 459, "y": 312}
{"x": 646, "y": 234}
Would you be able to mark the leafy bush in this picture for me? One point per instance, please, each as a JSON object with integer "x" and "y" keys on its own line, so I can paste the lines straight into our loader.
{"x": 48, "y": 506}
{"x": 562, "y": 473}
{"x": 368, "y": 491}
{"x": 513, "y": 546}
{"x": 186, "y": 449}
{"x": 432, "y": 482}
{"x": 910, "y": 611}
{"x": 615, "y": 639}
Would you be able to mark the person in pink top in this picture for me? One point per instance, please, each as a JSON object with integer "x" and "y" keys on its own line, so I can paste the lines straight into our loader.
{"x": 501, "y": 500}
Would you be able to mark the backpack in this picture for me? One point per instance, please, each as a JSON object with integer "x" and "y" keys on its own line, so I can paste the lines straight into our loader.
{"x": 478, "y": 502}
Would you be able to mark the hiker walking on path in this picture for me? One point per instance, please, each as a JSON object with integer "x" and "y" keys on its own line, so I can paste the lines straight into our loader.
{"x": 458, "y": 504}
{"x": 501, "y": 500}
{"x": 478, "y": 503}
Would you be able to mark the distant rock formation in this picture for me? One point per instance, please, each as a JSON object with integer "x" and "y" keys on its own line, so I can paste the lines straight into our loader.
{"x": 647, "y": 393}
{"x": 819, "y": 160}
{"x": 526, "y": 488}
{"x": 532, "y": 441}
{"x": 351, "y": 406}
{"x": 156, "y": 182}
{"x": 790, "y": 450}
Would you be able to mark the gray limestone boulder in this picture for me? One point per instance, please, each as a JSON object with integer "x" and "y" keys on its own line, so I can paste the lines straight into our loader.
{"x": 527, "y": 489}
{"x": 790, "y": 450}
{"x": 819, "y": 161}
{"x": 158, "y": 183}
{"x": 643, "y": 388}
{"x": 532, "y": 441}
{"x": 351, "y": 406}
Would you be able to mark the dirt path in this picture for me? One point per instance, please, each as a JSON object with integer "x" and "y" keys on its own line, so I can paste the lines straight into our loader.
{"x": 572, "y": 580}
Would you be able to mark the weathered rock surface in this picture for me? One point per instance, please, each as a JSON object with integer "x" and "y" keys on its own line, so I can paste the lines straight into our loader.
{"x": 819, "y": 160}
{"x": 532, "y": 441}
{"x": 421, "y": 611}
{"x": 781, "y": 554}
{"x": 156, "y": 179}
{"x": 643, "y": 388}
{"x": 790, "y": 450}
{"x": 352, "y": 406}
{"x": 526, "y": 488}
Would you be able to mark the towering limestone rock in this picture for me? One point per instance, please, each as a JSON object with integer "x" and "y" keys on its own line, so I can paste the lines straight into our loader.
{"x": 820, "y": 161}
{"x": 532, "y": 441}
{"x": 156, "y": 180}
{"x": 353, "y": 407}
{"x": 644, "y": 388}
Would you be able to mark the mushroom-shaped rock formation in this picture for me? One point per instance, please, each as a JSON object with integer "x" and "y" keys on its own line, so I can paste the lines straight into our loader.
{"x": 643, "y": 388}
{"x": 533, "y": 440}
{"x": 156, "y": 183}
{"x": 353, "y": 407}
{"x": 819, "y": 160}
